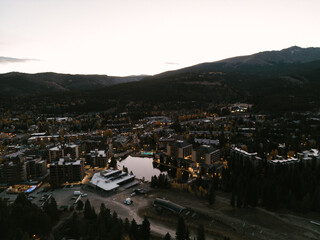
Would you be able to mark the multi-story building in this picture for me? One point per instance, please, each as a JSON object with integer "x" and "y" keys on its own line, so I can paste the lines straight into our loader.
{"x": 280, "y": 161}
{"x": 55, "y": 153}
{"x": 179, "y": 149}
{"x": 206, "y": 154}
{"x": 242, "y": 156}
{"x": 97, "y": 158}
{"x": 205, "y": 141}
{"x": 66, "y": 170}
{"x": 36, "y": 167}
{"x": 309, "y": 157}
{"x": 73, "y": 150}
{"x": 13, "y": 171}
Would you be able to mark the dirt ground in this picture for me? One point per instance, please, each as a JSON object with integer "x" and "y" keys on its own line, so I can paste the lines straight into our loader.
{"x": 220, "y": 219}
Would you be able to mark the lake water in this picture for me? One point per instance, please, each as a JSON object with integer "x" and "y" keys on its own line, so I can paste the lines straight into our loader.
{"x": 140, "y": 166}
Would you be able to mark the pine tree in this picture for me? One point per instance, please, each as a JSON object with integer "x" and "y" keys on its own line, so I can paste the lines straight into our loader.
{"x": 200, "y": 233}
{"x": 145, "y": 229}
{"x": 87, "y": 209}
{"x": 167, "y": 237}
{"x": 79, "y": 205}
{"x": 134, "y": 234}
{"x": 187, "y": 234}
{"x": 54, "y": 209}
{"x": 181, "y": 229}
{"x": 93, "y": 214}
{"x": 126, "y": 225}
{"x": 74, "y": 226}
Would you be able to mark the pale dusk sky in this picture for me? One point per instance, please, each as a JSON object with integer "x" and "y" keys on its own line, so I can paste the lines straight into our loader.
{"x": 131, "y": 37}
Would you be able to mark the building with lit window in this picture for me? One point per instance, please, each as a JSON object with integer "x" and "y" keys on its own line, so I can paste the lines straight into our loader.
{"x": 206, "y": 154}
{"x": 179, "y": 149}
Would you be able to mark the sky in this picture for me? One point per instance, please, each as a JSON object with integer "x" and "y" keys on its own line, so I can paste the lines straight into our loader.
{"x": 132, "y": 37}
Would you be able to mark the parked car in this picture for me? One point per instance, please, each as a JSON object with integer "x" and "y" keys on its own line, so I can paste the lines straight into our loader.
{"x": 133, "y": 194}
{"x": 42, "y": 199}
{"x": 128, "y": 201}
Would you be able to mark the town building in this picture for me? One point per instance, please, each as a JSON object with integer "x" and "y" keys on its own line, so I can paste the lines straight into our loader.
{"x": 73, "y": 150}
{"x": 97, "y": 158}
{"x": 206, "y": 154}
{"x": 66, "y": 170}
{"x": 310, "y": 157}
{"x": 36, "y": 167}
{"x": 179, "y": 149}
{"x": 280, "y": 161}
{"x": 110, "y": 180}
{"x": 13, "y": 171}
{"x": 55, "y": 153}
{"x": 241, "y": 155}
{"x": 205, "y": 141}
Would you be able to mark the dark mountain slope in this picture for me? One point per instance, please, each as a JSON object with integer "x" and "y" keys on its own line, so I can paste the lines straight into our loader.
{"x": 18, "y": 84}
{"x": 280, "y": 86}
{"x": 269, "y": 63}
{"x": 298, "y": 90}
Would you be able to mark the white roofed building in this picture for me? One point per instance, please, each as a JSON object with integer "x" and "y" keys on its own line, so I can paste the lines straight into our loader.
{"x": 110, "y": 180}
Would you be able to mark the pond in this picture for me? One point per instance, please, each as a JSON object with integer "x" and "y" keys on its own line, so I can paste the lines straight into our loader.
{"x": 140, "y": 166}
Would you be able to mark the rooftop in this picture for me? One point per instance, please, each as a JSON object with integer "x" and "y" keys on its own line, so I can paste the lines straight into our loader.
{"x": 109, "y": 180}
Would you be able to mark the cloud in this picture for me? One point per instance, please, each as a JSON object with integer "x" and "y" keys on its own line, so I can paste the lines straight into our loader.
{"x": 172, "y": 63}
{"x": 5, "y": 60}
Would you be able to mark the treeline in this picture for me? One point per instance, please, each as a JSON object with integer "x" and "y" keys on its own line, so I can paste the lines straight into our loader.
{"x": 23, "y": 220}
{"x": 294, "y": 187}
{"x": 183, "y": 232}
{"x": 105, "y": 225}
{"x": 160, "y": 182}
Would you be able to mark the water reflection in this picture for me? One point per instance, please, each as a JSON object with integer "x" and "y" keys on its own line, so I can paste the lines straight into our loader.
{"x": 142, "y": 167}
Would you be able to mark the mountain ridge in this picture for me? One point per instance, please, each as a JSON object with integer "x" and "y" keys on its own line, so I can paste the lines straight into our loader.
{"x": 282, "y": 86}
{"x": 19, "y": 84}
{"x": 252, "y": 63}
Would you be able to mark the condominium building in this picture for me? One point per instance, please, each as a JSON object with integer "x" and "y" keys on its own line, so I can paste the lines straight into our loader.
{"x": 66, "y": 170}
{"x": 179, "y": 149}
{"x": 206, "y": 154}
{"x": 97, "y": 158}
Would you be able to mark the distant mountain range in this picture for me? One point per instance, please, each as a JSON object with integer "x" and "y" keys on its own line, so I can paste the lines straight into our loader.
{"x": 274, "y": 80}
{"x": 21, "y": 84}
{"x": 268, "y": 62}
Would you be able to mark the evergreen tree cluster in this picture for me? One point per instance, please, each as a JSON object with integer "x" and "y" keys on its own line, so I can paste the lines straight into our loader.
{"x": 23, "y": 219}
{"x": 160, "y": 182}
{"x": 295, "y": 187}
{"x": 182, "y": 232}
{"x": 105, "y": 225}
{"x": 51, "y": 209}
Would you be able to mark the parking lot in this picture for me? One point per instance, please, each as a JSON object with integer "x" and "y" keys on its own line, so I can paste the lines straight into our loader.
{"x": 65, "y": 199}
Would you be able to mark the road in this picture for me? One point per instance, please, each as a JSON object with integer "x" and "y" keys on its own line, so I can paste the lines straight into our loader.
{"x": 115, "y": 203}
